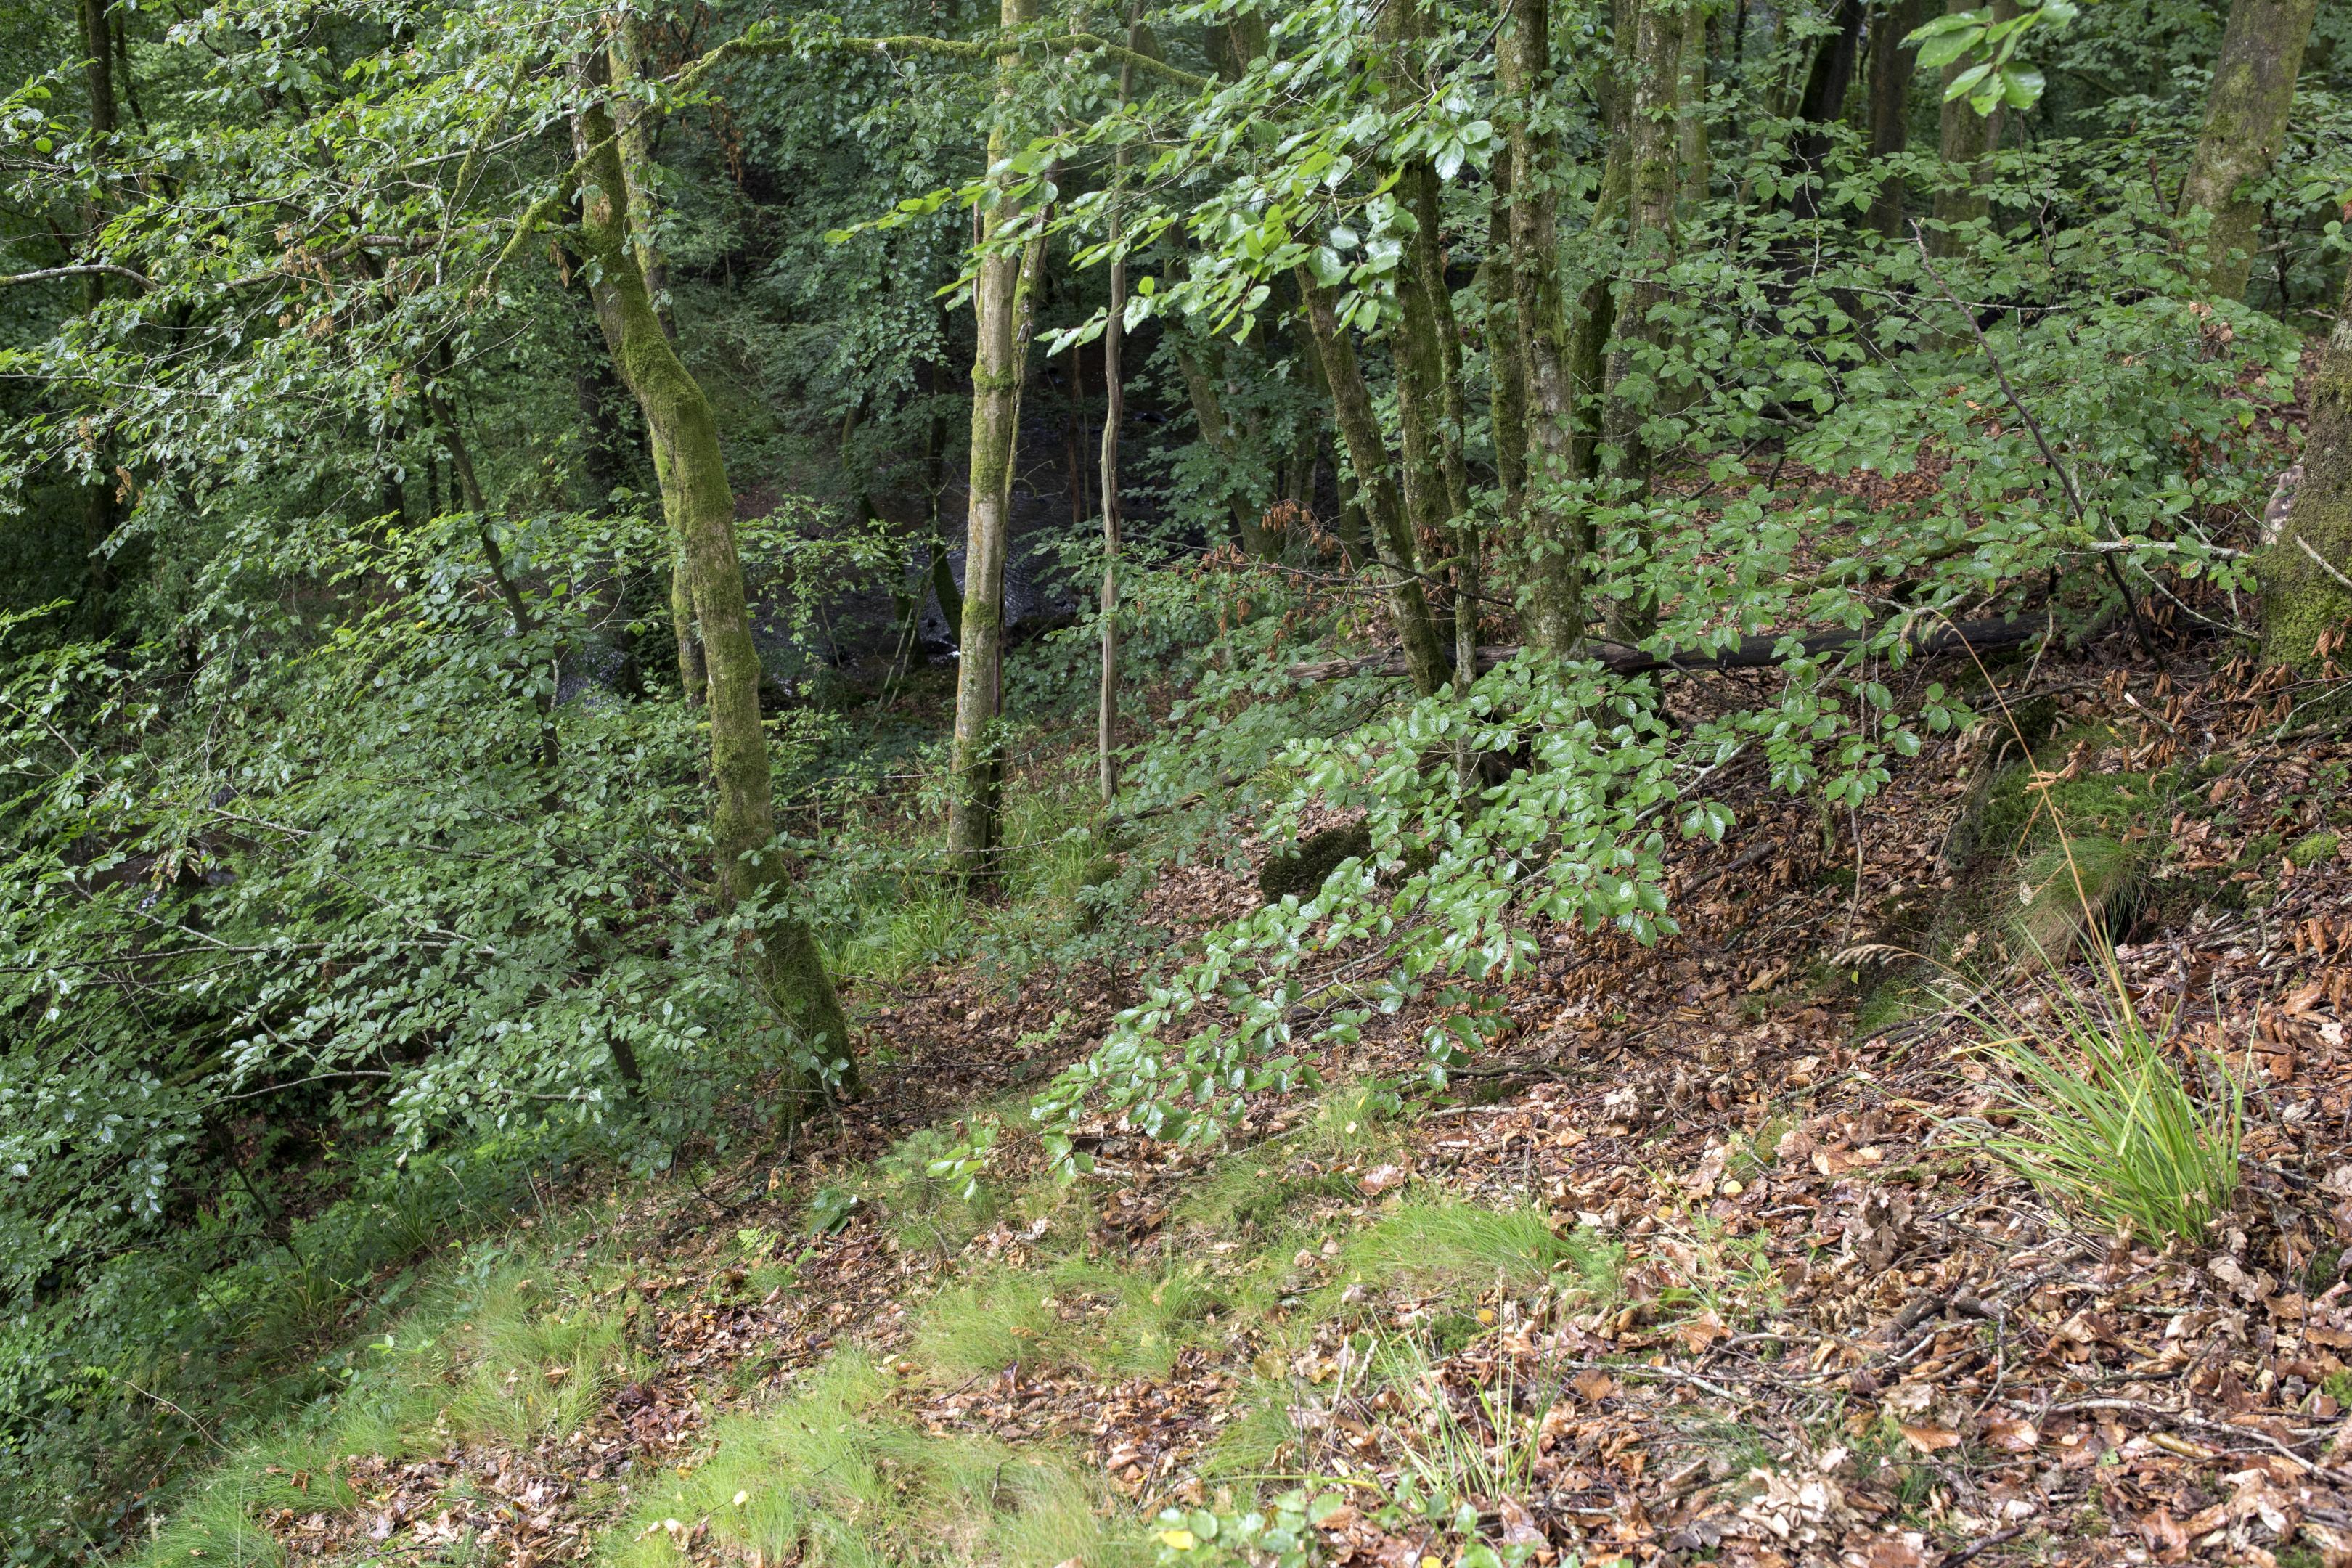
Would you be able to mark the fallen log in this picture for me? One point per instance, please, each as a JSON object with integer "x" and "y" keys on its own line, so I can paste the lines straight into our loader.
{"x": 1750, "y": 653}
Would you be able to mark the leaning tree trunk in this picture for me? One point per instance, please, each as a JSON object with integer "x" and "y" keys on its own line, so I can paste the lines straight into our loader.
{"x": 1652, "y": 187}
{"x": 1001, "y": 303}
{"x": 2307, "y": 571}
{"x": 1376, "y": 490}
{"x": 2245, "y": 125}
{"x": 693, "y": 473}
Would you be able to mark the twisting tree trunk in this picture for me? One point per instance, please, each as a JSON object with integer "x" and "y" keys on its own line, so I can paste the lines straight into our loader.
{"x": 1651, "y": 187}
{"x": 2245, "y": 125}
{"x": 2307, "y": 570}
{"x": 1892, "y": 65}
{"x": 1557, "y": 544}
{"x": 693, "y": 473}
{"x": 1002, "y": 303}
{"x": 1376, "y": 490}
{"x": 1967, "y": 138}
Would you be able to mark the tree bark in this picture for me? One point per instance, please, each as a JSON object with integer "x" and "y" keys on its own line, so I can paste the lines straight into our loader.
{"x": 1556, "y": 539}
{"x": 2305, "y": 597}
{"x": 1967, "y": 138}
{"x": 1208, "y": 414}
{"x": 98, "y": 491}
{"x": 1690, "y": 100}
{"x": 2245, "y": 125}
{"x": 1824, "y": 104}
{"x": 785, "y": 958}
{"x": 1376, "y": 490}
{"x": 1651, "y": 187}
{"x": 1002, "y": 303}
{"x": 1114, "y": 410}
{"x": 1893, "y": 63}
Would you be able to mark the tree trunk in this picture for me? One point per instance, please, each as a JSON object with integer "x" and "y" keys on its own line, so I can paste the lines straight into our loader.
{"x": 1376, "y": 492}
{"x": 2245, "y": 125}
{"x": 1555, "y": 539}
{"x": 1114, "y": 410}
{"x": 2305, "y": 570}
{"x": 1002, "y": 303}
{"x": 1690, "y": 134}
{"x": 1893, "y": 63}
{"x": 1652, "y": 187}
{"x": 1968, "y": 139}
{"x": 98, "y": 493}
{"x": 1823, "y": 103}
{"x": 1209, "y": 413}
{"x": 685, "y": 438}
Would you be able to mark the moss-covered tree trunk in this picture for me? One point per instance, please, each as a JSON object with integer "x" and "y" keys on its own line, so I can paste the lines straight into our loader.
{"x": 1966, "y": 140}
{"x": 1002, "y": 304}
{"x": 1653, "y": 185}
{"x": 1376, "y": 490}
{"x": 2245, "y": 125}
{"x": 784, "y": 955}
{"x": 1893, "y": 63}
{"x": 2305, "y": 571}
{"x": 1555, "y": 539}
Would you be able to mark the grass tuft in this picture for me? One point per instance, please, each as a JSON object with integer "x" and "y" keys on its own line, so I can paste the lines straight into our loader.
{"x": 2102, "y": 1122}
{"x": 835, "y": 1478}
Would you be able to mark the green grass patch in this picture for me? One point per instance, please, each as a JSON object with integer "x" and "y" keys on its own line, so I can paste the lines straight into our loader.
{"x": 1434, "y": 1244}
{"x": 835, "y": 1478}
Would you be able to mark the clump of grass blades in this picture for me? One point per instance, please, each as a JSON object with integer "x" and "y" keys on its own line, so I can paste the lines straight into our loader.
{"x": 2103, "y": 1121}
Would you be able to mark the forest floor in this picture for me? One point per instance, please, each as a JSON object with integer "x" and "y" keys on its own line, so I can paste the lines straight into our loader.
{"x": 1705, "y": 1262}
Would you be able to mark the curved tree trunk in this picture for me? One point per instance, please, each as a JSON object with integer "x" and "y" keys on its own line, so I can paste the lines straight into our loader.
{"x": 2245, "y": 125}
{"x": 2307, "y": 570}
{"x": 702, "y": 506}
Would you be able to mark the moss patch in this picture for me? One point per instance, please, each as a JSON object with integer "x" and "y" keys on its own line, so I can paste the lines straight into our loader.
{"x": 1300, "y": 866}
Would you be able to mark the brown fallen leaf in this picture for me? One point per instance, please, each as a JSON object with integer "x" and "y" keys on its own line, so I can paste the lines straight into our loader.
{"x": 1929, "y": 1439}
{"x": 2164, "y": 1535}
{"x": 1591, "y": 1387}
{"x": 1380, "y": 1179}
{"x": 2010, "y": 1435}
